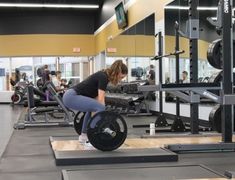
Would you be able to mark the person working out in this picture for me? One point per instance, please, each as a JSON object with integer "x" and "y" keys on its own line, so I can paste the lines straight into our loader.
{"x": 89, "y": 95}
{"x": 151, "y": 75}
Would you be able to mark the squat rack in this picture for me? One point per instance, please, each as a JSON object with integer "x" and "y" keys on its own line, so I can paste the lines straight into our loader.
{"x": 226, "y": 98}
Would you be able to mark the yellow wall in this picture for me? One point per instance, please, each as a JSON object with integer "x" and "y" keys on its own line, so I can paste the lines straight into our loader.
{"x": 46, "y": 45}
{"x": 62, "y": 45}
{"x": 144, "y": 45}
{"x": 137, "y": 12}
{"x": 184, "y": 45}
{"x": 132, "y": 45}
{"x": 121, "y": 43}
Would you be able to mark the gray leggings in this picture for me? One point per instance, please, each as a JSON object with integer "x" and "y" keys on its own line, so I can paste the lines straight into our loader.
{"x": 82, "y": 103}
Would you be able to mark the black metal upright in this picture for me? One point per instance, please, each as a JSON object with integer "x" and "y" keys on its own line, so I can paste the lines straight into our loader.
{"x": 177, "y": 67}
{"x": 194, "y": 21}
{"x": 161, "y": 119}
{"x": 178, "y": 125}
{"x": 160, "y": 52}
{"x": 227, "y": 57}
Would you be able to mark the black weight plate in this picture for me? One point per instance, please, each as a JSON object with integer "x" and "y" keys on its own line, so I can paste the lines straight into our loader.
{"x": 16, "y": 98}
{"x": 39, "y": 83}
{"x": 101, "y": 140}
{"x": 214, "y": 54}
{"x": 216, "y": 78}
{"x": 78, "y": 121}
{"x": 215, "y": 118}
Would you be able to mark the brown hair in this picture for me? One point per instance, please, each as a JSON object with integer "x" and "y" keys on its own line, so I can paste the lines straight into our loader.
{"x": 113, "y": 71}
{"x": 57, "y": 72}
{"x": 185, "y": 72}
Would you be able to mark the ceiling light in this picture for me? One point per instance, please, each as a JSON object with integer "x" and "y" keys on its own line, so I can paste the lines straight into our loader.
{"x": 187, "y": 8}
{"x": 177, "y": 7}
{"x": 34, "y": 5}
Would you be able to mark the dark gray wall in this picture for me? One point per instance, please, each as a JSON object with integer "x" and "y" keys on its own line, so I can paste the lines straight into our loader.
{"x": 144, "y": 27}
{"x": 207, "y": 32}
{"x": 46, "y": 22}
{"x": 107, "y": 11}
{"x": 201, "y": 2}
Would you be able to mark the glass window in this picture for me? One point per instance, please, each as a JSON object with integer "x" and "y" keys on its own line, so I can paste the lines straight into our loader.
{"x": 71, "y": 67}
{"x": 5, "y": 74}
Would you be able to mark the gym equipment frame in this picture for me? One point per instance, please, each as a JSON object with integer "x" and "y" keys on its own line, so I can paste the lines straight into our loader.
{"x": 226, "y": 98}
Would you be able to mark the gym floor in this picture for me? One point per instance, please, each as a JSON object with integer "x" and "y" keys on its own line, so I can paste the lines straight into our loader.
{"x": 28, "y": 154}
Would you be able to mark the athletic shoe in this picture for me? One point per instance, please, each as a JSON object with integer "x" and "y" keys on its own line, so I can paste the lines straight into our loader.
{"x": 82, "y": 138}
{"x": 88, "y": 146}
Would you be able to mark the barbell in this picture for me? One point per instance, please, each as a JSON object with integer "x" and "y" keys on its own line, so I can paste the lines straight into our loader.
{"x": 106, "y": 131}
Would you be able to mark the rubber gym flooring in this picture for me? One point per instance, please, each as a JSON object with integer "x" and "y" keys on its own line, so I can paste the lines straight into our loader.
{"x": 28, "y": 154}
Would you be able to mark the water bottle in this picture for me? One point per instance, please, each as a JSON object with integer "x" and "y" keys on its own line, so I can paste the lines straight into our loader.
{"x": 152, "y": 129}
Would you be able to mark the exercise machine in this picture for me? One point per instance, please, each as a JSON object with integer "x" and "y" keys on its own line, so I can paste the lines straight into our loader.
{"x": 45, "y": 113}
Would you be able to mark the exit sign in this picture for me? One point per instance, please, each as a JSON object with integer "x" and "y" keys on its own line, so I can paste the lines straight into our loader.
{"x": 76, "y": 50}
{"x": 111, "y": 50}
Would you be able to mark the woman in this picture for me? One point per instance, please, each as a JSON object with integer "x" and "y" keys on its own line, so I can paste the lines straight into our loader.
{"x": 89, "y": 95}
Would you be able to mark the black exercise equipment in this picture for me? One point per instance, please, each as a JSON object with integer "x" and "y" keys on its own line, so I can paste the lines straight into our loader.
{"x": 215, "y": 118}
{"x": 114, "y": 89}
{"x": 126, "y": 99}
{"x": 16, "y": 98}
{"x": 56, "y": 110}
{"x": 167, "y": 55}
{"x": 130, "y": 88}
{"x": 216, "y": 78}
{"x": 214, "y": 54}
{"x": 130, "y": 104}
{"x": 178, "y": 125}
{"x": 137, "y": 72}
{"x": 78, "y": 121}
{"x": 39, "y": 83}
{"x": 20, "y": 90}
{"x": 161, "y": 119}
{"x": 227, "y": 95}
{"x": 107, "y": 130}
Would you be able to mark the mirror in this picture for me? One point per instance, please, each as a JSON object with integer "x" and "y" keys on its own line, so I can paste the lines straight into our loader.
{"x": 175, "y": 12}
{"x": 136, "y": 46}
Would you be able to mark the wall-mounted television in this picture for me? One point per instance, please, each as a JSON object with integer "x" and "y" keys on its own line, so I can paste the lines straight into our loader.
{"x": 121, "y": 16}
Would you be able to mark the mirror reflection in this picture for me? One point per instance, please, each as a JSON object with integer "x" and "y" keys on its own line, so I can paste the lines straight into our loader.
{"x": 135, "y": 46}
{"x": 177, "y": 11}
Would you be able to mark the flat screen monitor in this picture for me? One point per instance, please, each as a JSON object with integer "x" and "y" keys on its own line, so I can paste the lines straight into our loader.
{"x": 121, "y": 16}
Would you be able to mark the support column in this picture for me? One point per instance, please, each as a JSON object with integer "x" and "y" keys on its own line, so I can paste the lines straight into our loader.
{"x": 227, "y": 59}
{"x": 193, "y": 20}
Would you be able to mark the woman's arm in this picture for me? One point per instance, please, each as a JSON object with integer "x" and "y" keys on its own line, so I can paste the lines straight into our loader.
{"x": 101, "y": 96}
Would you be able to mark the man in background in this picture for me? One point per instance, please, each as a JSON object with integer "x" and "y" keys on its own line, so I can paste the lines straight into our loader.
{"x": 184, "y": 77}
{"x": 151, "y": 75}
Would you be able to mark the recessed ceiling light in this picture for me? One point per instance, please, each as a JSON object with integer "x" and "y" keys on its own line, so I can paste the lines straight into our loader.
{"x": 186, "y": 8}
{"x": 34, "y": 5}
